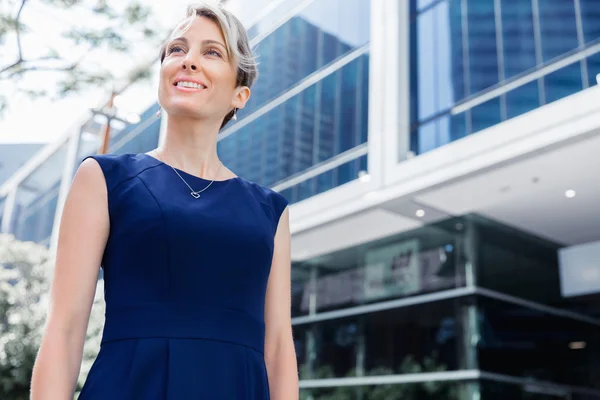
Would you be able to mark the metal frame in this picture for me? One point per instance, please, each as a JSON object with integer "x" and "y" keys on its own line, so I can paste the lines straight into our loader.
{"x": 446, "y": 376}
{"x": 439, "y": 296}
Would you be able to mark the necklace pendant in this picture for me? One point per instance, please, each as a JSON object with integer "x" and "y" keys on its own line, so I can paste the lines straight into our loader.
{"x": 195, "y": 195}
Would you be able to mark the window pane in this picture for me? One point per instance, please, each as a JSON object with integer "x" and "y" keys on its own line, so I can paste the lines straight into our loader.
{"x": 335, "y": 177}
{"x": 593, "y": 66}
{"x": 425, "y": 260}
{"x": 491, "y": 390}
{"x": 436, "y": 45}
{"x": 485, "y": 115}
{"x": 410, "y": 391}
{"x": 522, "y": 99}
{"x": 558, "y": 27}
{"x": 506, "y": 253}
{"x": 517, "y": 37}
{"x": 483, "y": 52}
{"x": 321, "y": 33}
{"x": 324, "y": 120}
{"x": 590, "y": 15}
{"x": 424, "y": 338}
{"x": 140, "y": 137}
{"x": 36, "y": 200}
{"x": 563, "y": 82}
{"x": 547, "y": 347}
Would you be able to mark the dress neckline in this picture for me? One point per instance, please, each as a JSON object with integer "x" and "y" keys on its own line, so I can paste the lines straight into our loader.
{"x": 187, "y": 174}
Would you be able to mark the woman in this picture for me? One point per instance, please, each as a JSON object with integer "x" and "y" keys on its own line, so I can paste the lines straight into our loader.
{"x": 196, "y": 259}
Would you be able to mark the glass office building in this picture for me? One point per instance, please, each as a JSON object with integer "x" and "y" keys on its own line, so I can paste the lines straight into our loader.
{"x": 476, "y": 63}
{"x": 462, "y": 308}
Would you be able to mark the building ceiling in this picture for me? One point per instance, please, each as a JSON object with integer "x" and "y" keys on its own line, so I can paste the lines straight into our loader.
{"x": 530, "y": 194}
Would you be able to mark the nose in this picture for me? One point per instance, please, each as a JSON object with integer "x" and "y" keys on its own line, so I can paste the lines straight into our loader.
{"x": 188, "y": 64}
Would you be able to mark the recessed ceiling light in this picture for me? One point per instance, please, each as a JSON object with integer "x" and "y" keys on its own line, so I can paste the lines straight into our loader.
{"x": 570, "y": 193}
{"x": 420, "y": 213}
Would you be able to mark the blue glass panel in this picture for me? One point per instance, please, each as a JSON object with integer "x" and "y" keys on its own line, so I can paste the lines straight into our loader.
{"x": 320, "y": 122}
{"x": 517, "y": 37}
{"x": 428, "y": 137}
{"x": 558, "y": 27}
{"x": 563, "y": 82}
{"x": 483, "y": 52}
{"x": 593, "y": 67}
{"x": 485, "y": 115}
{"x": 320, "y": 34}
{"x": 437, "y": 48}
{"x": 590, "y": 17}
{"x": 522, "y": 99}
{"x": 328, "y": 180}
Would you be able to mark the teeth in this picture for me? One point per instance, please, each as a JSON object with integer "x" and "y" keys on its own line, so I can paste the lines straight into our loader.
{"x": 190, "y": 85}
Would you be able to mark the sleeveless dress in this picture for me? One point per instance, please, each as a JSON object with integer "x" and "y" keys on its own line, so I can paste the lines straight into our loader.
{"x": 185, "y": 282}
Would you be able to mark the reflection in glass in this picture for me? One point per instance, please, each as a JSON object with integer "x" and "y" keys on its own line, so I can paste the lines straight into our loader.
{"x": 324, "y": 120}
{"x": 318, "y": 35}
{"x": 410, "y": 391}
{"x": 437, "y": 47}
{"x": 558, "y": 27}
{"x": 483, "y": 51}
{"x": 424, "y": 260}
{"x": 593, "y": 67}
{"x": 36, "y": 200}
{"x": 140, "y": 137}
{"x": 547, "y": 347}
{"x": 485, "y": 115}
{"x": 518, "y": 39}
{"x": 563, "y": 82}
{"x": 522, "y": 99}
{"x": 506, "y": 253}
{"x": 491, "y": 390}
{"x": 422, "y": 338}
{"x": 590, "y": 15}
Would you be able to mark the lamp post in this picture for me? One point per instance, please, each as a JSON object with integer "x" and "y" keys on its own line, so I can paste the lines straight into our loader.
{"x": 110, "y": 113}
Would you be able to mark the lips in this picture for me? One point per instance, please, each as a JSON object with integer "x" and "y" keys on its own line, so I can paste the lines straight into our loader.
{"x": 188, "y": 83}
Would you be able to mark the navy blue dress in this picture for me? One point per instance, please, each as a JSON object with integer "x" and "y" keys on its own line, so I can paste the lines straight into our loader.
{"x": 185, "y": 283}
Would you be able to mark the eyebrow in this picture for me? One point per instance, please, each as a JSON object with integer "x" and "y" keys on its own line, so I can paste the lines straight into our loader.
{"x": 207, "y": 41}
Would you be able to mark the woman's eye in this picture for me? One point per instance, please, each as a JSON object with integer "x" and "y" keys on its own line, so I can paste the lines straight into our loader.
{"x": 173, "y": 48}
{"x": 213, "y": 52}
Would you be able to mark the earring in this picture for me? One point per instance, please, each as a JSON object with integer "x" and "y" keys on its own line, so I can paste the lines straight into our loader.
{"x": 158, "y": 112}
{"x": 234, "y": 117}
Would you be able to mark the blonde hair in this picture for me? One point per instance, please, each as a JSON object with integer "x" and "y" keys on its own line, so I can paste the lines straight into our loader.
{"x": 236, "y": 41}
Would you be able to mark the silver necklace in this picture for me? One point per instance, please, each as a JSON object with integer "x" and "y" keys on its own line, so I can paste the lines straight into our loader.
{"x": 195, "y": 194}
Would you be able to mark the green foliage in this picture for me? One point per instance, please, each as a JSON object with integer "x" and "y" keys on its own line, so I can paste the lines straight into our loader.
{"x": 120, "y": 24}
{"x": 25, "y": 276}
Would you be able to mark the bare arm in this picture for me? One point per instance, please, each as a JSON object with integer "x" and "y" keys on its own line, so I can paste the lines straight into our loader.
{"x": 83, "y": 233}
{"x": 280, "y": 355}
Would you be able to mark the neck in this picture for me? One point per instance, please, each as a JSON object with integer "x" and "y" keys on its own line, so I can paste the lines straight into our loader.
{"x": 191, "y": 146}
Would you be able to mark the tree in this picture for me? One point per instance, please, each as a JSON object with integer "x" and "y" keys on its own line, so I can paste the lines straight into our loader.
{"x": 25, "y": 277}
{"x": 96, "y": 25}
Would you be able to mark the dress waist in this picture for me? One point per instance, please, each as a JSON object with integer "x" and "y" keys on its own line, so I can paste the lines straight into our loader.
{"x": 183, "y": 321}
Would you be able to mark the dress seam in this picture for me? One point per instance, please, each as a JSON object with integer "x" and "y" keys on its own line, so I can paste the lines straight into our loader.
{"x": 162, "y": 213}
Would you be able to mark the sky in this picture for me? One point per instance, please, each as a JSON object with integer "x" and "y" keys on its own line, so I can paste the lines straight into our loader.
{"x": 44, "y": 120}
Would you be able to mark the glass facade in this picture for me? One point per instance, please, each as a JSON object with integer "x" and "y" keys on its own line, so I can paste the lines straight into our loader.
{"x": 443, "y": 299}
{"x": 310, "y": 102}
{"x": 463, "y": 49}
{"x": 36, "y": 200}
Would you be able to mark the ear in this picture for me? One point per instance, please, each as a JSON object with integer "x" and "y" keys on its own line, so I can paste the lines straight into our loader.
{"x": 242, "y": 94}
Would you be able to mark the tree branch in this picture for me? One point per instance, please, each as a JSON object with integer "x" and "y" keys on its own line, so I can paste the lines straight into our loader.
{"x": 21, "y": 61}
{"x": 18, "y": 31}
{"x": 65, "y": 68}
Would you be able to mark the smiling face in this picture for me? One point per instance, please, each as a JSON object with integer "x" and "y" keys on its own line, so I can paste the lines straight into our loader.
{"x": 197, "y": 76}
